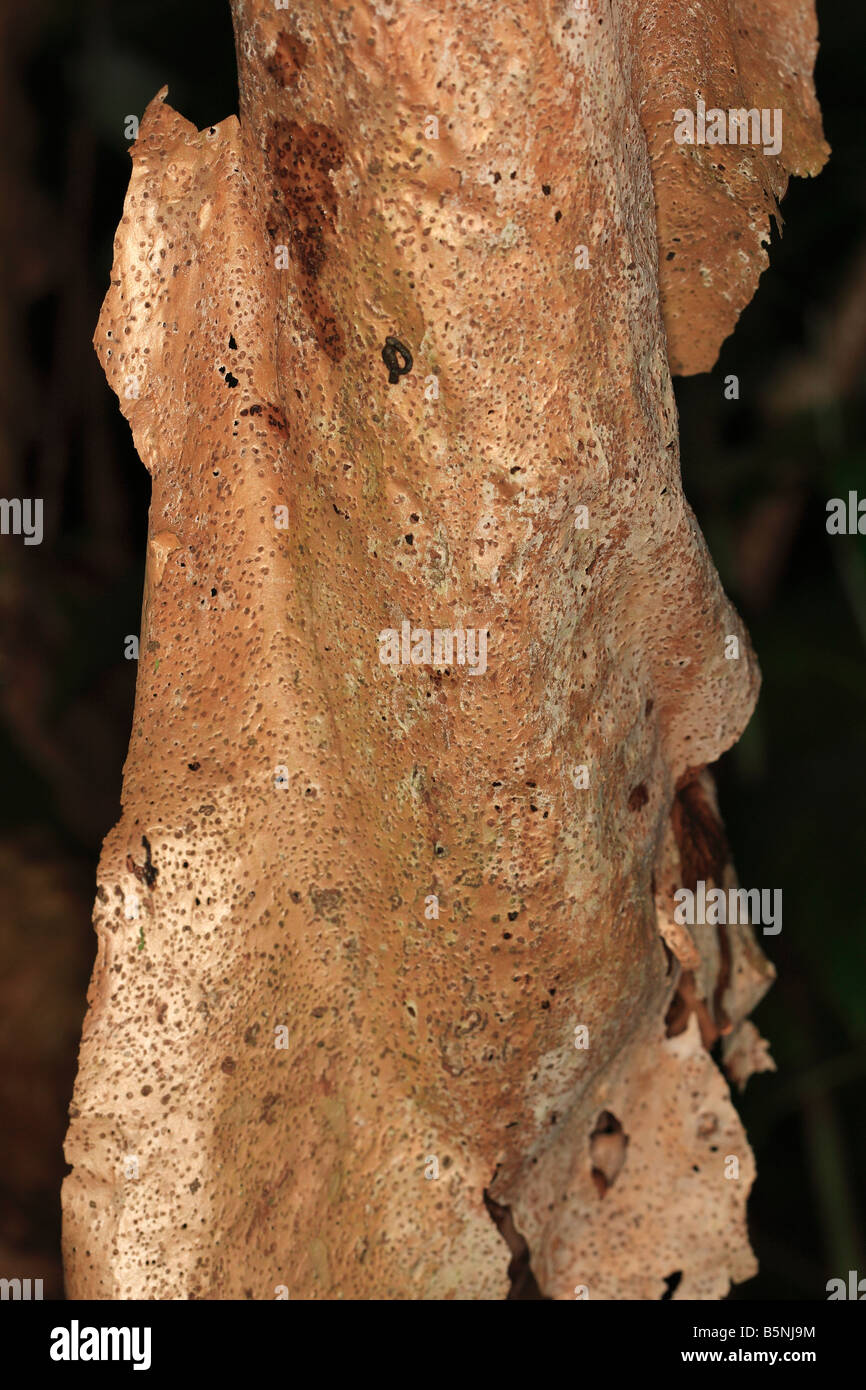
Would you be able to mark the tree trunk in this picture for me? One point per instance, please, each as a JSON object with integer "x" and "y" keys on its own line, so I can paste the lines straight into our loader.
{"x": 389, "y": 978}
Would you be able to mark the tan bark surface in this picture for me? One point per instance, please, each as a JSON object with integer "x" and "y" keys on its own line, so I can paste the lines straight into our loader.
{"x": 229, "y": 906}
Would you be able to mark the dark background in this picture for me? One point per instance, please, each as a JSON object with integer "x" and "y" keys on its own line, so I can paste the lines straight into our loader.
{"x": 758, "y": 472}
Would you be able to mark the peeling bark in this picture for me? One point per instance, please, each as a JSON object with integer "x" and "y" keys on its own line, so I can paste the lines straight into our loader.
{"x": 291, "y": 803}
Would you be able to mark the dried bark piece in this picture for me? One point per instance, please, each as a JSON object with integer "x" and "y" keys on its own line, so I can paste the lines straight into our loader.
{"x": 746, "y": 1052}
{"x": 657, "y": 1219}
{"x": 293, "y": 806}
{"x": 714, "y": 202}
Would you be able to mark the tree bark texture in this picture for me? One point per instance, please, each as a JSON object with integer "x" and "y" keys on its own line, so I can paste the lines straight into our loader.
{"x": 292, "y": 806}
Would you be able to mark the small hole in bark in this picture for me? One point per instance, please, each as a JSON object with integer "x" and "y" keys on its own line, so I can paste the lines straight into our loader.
{"x": 607, "y": 1146}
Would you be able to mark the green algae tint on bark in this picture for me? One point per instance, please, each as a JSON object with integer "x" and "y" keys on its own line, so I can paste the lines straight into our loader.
{"x": 293, "y": 1073}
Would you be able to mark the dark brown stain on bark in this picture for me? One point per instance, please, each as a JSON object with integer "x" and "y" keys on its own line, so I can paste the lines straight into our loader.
{"x": 301, "y": 160}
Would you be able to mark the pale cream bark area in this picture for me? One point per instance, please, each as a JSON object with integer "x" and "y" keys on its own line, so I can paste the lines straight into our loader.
{"x": 290, "y": 803}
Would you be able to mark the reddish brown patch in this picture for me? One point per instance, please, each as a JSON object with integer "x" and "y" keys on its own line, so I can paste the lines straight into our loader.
{"x": 700, "y": 837}
{"x": 302, "y": 158}
{"x": 287, "y": 60}
{"x": 724, "y": 1023}
{"x": 685, "y": 1002}
{"x": 638, "y": 798}
{"x": 677, "y": 1016}
{"x": 704, "y": 853}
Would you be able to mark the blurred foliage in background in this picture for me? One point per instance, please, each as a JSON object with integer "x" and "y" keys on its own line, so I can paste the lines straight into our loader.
{"x": 758, "y": 472}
